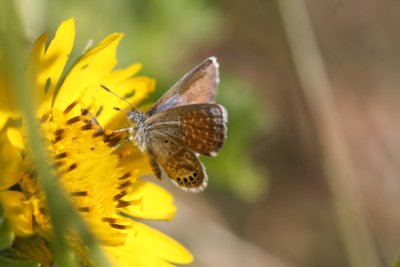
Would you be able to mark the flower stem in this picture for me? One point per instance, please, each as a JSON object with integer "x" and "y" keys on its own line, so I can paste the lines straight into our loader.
{"x": 61, "y": 211}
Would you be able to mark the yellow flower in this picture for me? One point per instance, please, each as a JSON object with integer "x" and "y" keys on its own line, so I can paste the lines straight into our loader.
{"x": 75, "y": 116}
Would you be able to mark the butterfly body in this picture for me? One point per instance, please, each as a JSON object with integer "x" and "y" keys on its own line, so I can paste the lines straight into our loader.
{"x": 184, "y": 123}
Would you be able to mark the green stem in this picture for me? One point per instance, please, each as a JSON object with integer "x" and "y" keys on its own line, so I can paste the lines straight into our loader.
{"x": 62, "y": 213}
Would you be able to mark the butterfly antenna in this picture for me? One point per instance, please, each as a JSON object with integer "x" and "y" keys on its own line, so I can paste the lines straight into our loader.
{"x": 120, "y": 97}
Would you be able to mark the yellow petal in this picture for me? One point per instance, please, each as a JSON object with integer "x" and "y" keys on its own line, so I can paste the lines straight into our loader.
{"x": 156, "y": 202}
{"x": 17, "y": 211}
{"x": 135, "y": 90}
{"x": 15, "y": 137}
{"x": 161, "y": 245}
{"x": 3, "y": 119}
{"x": 124, "y": 74}
{"x": 131, "y": 157}
{"x": 35, "y": 64}
{"x": 133, "y": 256}
{"x": 52, "y": 64}
{"x": 147, "y": 247}
{"x": 95, "y": 68}
{"x": 10, "y": 162}
{"x": 84, "y": 79}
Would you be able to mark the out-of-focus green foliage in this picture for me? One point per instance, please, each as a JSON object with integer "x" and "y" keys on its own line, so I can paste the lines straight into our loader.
{"x": 158, "y": 33}
{"x": 12, "y": 263}
{"x": 396, "y": 262}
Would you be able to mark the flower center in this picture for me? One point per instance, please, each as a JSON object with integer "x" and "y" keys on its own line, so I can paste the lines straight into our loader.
{"x": 84, "y": 160}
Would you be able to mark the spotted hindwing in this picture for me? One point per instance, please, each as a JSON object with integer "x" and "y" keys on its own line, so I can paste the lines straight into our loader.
{"x": 179, "y": 163}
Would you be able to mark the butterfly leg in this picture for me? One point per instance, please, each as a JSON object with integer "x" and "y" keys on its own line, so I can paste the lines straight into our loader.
{"x": 93, "y": 120}
{"x": 123, "y": 130}
{"x": 129, "y": 139}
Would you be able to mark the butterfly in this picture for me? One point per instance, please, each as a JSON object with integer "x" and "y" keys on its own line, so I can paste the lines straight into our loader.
{"x": 184, "y": 123}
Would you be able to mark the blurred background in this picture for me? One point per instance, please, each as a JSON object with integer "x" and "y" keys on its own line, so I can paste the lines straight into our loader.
{"x": 278, "y": 190}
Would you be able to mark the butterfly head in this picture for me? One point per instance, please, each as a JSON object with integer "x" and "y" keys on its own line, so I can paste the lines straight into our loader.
{"x": 136, "y": 116}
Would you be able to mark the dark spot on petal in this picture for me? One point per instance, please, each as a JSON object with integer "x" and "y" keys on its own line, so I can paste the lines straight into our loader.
{"x": 99, "y": 111}
{"x": 125, "y": 184}
{"x": 45, "y": 117}
{"x": 122, "y": 204}
{"x": 85, "y": 111}
{"x": 79, "y": 194}
{"x": 129, "y": 95}
{"x": 59, "y": 131}
{"x": 61, "y": 155}
{"x": 47, "y": 85}
{"x": 108, "y": 219}
{"x": 74, "y": 120}
{"x": 118, "y": 226}
{"x": 72, "y": 167}
{"x": 86, "y": 127}
{"x": 84, "y": 209}
{"x": 57, "y": 139}
{"x": 126, "y": 175}
{"x": 96, "y": 134}
{"x": 120, "y": 195}
{"x": 70, "y": 107}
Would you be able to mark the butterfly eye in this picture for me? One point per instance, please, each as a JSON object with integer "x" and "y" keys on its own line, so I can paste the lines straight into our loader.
{"x": 134, "y": 116}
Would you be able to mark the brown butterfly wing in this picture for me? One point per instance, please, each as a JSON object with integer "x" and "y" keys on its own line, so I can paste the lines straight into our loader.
{"x": 179, "y": 164}
{"x": 199, "y": 127}
{"x": 198, "y": 86}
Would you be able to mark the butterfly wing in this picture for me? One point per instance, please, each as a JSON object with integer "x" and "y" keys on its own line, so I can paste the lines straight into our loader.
{"x": 199, "y": 127}
{"x": 179, "y": 163}
{"x": 198, "y": 86}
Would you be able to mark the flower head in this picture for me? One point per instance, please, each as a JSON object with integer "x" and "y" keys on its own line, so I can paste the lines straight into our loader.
{"x": 76, "y": 120}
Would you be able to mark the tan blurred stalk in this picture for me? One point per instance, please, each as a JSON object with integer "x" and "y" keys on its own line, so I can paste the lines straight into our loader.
{"x": 337, "y": 164}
